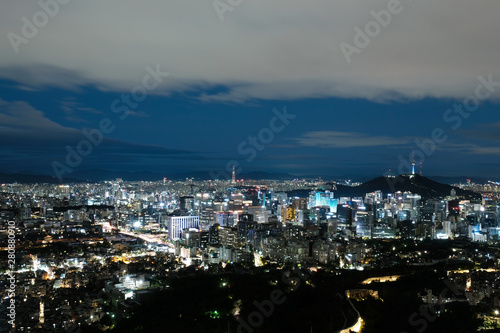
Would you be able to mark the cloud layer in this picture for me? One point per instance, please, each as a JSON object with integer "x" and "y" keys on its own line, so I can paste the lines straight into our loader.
{"x": 336, "y": 139}
{"x": 31, "y": 140}
{"x": 282, "y": 49}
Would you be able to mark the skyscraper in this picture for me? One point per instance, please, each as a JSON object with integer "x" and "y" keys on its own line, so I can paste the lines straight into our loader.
{"x": 178, "y": 223}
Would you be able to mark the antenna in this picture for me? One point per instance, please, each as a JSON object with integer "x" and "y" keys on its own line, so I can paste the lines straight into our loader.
{"x": 413, "y": 162}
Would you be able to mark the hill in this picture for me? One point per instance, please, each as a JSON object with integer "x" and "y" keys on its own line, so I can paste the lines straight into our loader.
{"x": 424, "y": 186}
{"x": 34, "y": 178}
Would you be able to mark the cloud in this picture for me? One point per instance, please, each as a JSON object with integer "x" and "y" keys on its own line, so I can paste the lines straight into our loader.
{"x": 76, "y": 111}
{"x": 77, "y": 120}
{"x": 27, "y": 135}
{"x": 34, "y": 76}
{"x": 336, "y": 139}
{"x": 72, "y": 107}
{"x": 488, "y": 132}
{"x": 282, "y": 49}
{"x": 469, "y": 148}
{"x": 137, "y": 114}
{"x": 477, "y": 150}
{"x": 21, "y": 124}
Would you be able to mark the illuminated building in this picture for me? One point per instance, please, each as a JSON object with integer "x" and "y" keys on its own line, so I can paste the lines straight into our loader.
{"x": 177, "y": 223}
{"x": 191, "y": 237}
{"x": 225, "y": 219}
{"x": 364, "y": 224}
{"x": 320, "y": 199}
{"x": 228, "y": 237}
{"x": 41, "y": 318}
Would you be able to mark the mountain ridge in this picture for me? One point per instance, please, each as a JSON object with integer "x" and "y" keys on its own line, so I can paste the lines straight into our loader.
{"x": 425, "y": 187}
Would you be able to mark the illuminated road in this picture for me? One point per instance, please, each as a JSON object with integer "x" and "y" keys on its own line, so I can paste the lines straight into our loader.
{"x": 382, "y": 279}
{"x": 147, "y": 238}
{"x": 357, "y": 327}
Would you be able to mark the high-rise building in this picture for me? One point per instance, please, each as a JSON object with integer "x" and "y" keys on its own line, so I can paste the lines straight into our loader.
{"x": 186, "y": 203}
{"x": 191, "y": 237}
{"x": 299, "y": 203}
{"x": 447, "y": 228}
{"x": 213, "y": 235}
{"x": 225, "y": 219}
{"x": 207, "y": 217}
{"x": 323, "y": 198}
{"x": 364, "y": 224}
{"x": 177, "y": 223}
{"x": 259, "y": 213}
{"x": 228, "y": 237}
{"x": 246, "y": 227}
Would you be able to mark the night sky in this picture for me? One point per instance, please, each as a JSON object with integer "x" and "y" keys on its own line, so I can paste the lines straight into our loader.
{"x": 185, "y": 86}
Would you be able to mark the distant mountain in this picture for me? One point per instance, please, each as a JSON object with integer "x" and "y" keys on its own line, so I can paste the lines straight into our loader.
{"x": 95, "y": 175}
{"x": 458, "y": 180}
{"x": 34, "y": 178}
{"x": 426, "y": 187}
{"x": 266, "y": 175}
{"x": 423, "y": 186}
{"x": 100, "y": 175}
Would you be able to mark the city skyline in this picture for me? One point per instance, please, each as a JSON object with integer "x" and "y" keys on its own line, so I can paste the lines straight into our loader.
{"x": 124, "y": 256}
{"x": 249, "y": 166}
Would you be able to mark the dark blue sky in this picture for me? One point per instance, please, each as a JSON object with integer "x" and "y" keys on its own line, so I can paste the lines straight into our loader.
{"x": 268, "y": 86}
{"x": 179, "y": 133}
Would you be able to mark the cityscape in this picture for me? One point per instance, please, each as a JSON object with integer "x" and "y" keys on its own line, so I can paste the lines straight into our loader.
{"x": 236, "y": 166}
{"x": 110, "y": 256}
